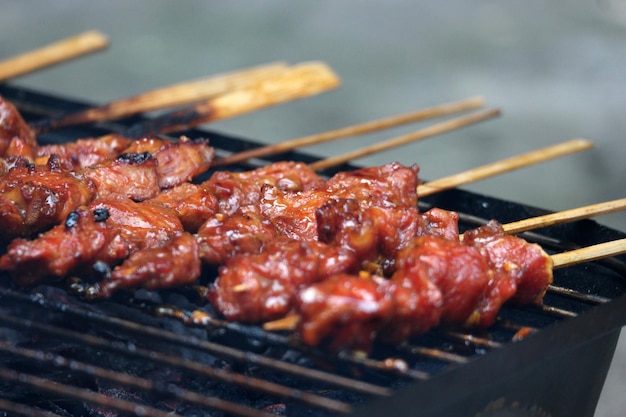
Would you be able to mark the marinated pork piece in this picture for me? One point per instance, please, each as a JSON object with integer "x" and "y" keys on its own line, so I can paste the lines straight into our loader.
{"x": 459, "y": 271}
{"x": 294, "y": 213}
{"x": 84, "y": 153}
{"x": 262, "y": 287}
{"x": 105, "y": 232}
{"x": 222, "y": 237}
{"x": 12, "y": 125}
{"x": 238, "y": 189}
{"x": 375, "y": 234}
{"x": 129, "y": 175}
{"x": 173, "y": 264}
{"x": 525, "y": 270}
{"x": 344, "y": 311}
{"x": 182, "y": 161}
{"x": 194, "y": 204}
{"x": 35, "y": 198}
{"x": 384, "y": 186}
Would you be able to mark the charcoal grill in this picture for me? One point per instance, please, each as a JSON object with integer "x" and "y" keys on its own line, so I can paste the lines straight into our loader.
{"x": 163, "y": 353}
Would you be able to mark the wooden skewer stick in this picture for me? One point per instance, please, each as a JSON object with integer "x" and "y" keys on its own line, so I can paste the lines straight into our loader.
{"x": 559, "y": 260}
{"x": 589, "y": 253}
{"x": 297, "y": 82}
{"x": 565, "y": 216}
{"x": 506, "y": 165}
{"x": 360, "y": 129}
{"x": 171, "y": 96}
{"x": 53, "y": 54}
{"x": 433, "y": 130}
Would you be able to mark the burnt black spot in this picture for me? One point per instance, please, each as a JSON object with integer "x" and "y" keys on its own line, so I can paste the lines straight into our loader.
{"x": 72, "y": 219}
{"x": 100, "y": 214}
{"x": 135, "y": 158}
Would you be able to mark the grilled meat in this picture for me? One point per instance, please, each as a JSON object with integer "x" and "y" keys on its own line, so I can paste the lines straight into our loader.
{"x": 35, "y": 198}
{"x": 175, "y": 263}
{"x": 345, "y": 311}
{"x": 13, "y": 126}
{"x": 105, "y": 233}
{"x": 245, "y": 232}
{"x": 238, "y": 189}
{"x": 84, "y": 153}
{"x": 260, "y": 287}
{"x": 524, "y": 270}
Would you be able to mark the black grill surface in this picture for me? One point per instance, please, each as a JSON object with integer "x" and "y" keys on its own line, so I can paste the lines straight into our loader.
{"x": 166, "y": 353}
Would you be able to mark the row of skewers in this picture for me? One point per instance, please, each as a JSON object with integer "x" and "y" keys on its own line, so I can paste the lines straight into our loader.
{"x": 343, "y": 261}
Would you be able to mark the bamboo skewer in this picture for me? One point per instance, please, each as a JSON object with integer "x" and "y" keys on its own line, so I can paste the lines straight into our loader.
{"x": 171, "y": 96}
{"x": 565, "y": 216}
{"x": 433, "y": 130}
{"x": 506, "y": 165}
{"x": 297, "y": 82}
{"x": 52, "y": 54}
{"x": 363, "y": 128}
{"x": 589, "y": 253}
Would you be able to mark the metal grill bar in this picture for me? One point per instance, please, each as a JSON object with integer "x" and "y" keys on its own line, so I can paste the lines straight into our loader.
{"x": 138, "y": 383}
{"x": 91, "y": 397}
{"x": 213, "y": 348}
{"x": 17, "y": 409}
{"x": 198, "y": 368}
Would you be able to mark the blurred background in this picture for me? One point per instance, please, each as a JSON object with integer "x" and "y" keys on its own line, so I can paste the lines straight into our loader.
{"x": 557, "y": 70}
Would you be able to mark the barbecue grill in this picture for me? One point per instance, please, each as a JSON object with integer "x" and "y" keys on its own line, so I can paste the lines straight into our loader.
{"x": 164, "y": 353}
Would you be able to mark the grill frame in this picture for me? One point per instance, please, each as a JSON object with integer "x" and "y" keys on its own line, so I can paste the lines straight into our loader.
{"x": 520, "y": 377}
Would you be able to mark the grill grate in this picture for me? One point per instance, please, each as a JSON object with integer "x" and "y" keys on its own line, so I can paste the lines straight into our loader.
{"x": 164, "y": 353}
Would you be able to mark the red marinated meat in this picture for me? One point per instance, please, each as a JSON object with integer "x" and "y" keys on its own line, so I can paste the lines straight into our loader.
{"x": 238, "y": 189}
{"x": 86, "y": 152}
{"x": 106, "y": 231}
{"x": 175, "y": 263}
{"x": 261, "y": 287}
{"x": 12, "y": 125}
{"x": 525, "y": 269}
{"x": 459, "y": 271}
{"x": 36, "y": 198}
{"x": 345, "y": 311}
{"x": 193, "y": 203}
{"x": 222, "y": 237}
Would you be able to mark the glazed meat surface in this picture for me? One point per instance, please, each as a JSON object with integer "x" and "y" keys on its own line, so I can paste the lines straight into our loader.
{"x": 194, "y": 204}
{"x": 174, "y": 263}
{"x": 238, "y": 189}
{"x": 245, "y": 232}
{"x": 12, "y": 125}
{"x": 262, "y": 287}
{"x": 129, "y": 175}
{"x": 84, "y": 153}
{"x": 345, "y": 311}
{"x": 459, "y": 271}
{"x": 524, "y": 270}
{"x": 35, "y": 198}
{"x": 387, "y": 185}
{"x": 105, "y": 232}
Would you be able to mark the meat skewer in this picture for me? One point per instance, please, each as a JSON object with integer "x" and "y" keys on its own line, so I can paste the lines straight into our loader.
{"x": 432, "y": 278}
{"x": 326, "y": 313}
{"x": 313, "y": 299}
{"x": 52, "y": 54}
{"x": 35, "y": 198}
